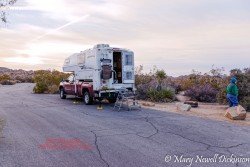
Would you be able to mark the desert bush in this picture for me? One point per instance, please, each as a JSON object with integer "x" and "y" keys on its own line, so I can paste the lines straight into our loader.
{"x": 140, "y": 77}
{"x": 203, "y": 93}
{"x": 4, "y": 77}
{"x": 40, "y": 87}
{"x": 46, "y": 80}
{"x": 7, "y": 82}
{"x": 142, "y": 81}
{"x": 26, "y": 79}
{"x": 207, "y": 87}
{"x": 214, "y": 77}
{"x": 142, "y": 90}
{"x": 222, "y": 94}
{"x": 245, "y": 102}
{"x": 53, "y": 89}
{"x": 164, "y": 95}
{"x": 243, "y": 84}
{"x": 153, "y": 85}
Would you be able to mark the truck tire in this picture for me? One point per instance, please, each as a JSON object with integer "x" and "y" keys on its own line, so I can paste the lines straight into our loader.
{"x": 62, "y": 94}
{"x": 112, "y": 100}
{"x": 87, "y": 99}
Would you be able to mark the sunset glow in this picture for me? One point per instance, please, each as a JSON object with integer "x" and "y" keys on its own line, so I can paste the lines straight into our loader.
{"x": 177, "y": 36}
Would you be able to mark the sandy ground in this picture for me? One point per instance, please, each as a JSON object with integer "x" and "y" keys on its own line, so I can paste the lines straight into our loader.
{"x": 211, "y": 111}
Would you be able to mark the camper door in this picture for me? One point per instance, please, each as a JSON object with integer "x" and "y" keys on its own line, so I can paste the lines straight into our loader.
{"x": 128, "y": 67}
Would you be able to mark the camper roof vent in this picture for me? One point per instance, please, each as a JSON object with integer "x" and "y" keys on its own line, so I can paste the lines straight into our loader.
{"x": 98, "y": 46}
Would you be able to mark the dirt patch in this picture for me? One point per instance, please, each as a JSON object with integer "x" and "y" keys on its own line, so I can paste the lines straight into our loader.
{"x": 205, "y": 110}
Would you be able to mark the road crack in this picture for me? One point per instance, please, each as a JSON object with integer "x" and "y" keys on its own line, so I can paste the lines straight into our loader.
{"x": 208, "y": 145}
{"x": 155, "y": 128}
{"x": 98, "y": 149}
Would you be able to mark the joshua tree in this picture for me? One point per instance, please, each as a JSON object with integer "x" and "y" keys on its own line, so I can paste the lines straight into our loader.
{"x": 160, "y": 76}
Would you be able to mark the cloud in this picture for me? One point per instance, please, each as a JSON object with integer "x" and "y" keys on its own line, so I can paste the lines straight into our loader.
{"x": 71, "y": 10}
{"x": 175, "y": 35}
{"x": 24, "y": 60}
{"x": 63, "y": 26}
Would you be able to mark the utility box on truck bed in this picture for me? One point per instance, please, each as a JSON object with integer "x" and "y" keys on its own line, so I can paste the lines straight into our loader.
{"x": 107, "y": 69}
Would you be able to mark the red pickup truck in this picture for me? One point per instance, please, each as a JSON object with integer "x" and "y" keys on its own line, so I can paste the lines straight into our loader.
{"x": 84, "y": 89}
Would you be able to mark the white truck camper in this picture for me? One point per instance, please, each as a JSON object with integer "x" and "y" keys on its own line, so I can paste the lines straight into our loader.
{"x": 107, "y": 68}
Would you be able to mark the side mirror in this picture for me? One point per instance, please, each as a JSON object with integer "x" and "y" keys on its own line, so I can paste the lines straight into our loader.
{"x": 62, "y": 80}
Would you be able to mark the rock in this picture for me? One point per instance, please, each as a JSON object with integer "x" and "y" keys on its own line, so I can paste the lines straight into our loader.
{"x": 182, "y": 98}
{"x": 192, "y": 103}
{"x": 183, "y": 107}
{"x": 148, "y": 104}
{"x": 236, "y": 113}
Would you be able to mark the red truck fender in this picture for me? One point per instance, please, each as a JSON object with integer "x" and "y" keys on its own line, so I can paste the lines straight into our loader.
{"x": 87, "y": 86}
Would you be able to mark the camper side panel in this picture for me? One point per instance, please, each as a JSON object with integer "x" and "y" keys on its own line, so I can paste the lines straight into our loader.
{"x": 86, "y": 70}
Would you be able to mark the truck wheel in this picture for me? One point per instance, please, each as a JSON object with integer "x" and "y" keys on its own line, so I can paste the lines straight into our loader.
{"x": 87, "y": 99}
{"x": 112, "y": 100}
{"x": 62, "y": 94}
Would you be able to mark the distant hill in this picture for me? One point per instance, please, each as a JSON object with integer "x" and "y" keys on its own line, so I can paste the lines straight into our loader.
{"x": 18, "y": 75}
{"x": 3, "y": 69}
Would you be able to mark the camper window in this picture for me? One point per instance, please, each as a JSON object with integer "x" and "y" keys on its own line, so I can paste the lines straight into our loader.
{"x": 67, "y": 61}
{"x": 128, "y": 60}
{"x": 81, "y": 59}
{"x": 70, "y": 78}
{"x": 129, "y": 76}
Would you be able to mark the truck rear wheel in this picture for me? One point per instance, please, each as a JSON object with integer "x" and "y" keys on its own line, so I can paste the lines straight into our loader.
{"x": 87, "y": 99}
{"x": 62, "y": 94}
{"x": 112, "y": 100}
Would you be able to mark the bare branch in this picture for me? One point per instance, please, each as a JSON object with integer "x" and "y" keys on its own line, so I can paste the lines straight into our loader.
{"x": 3, "y": 5}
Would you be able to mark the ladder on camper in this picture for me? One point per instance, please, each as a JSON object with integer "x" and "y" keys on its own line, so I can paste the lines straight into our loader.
{"x": 126, "y": 98}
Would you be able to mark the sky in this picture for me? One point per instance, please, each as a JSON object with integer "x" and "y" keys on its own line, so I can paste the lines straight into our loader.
{"x": 174, "y": 35}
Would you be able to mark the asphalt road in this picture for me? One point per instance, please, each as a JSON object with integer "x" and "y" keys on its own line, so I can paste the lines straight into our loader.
{"x": 43, "y": 130}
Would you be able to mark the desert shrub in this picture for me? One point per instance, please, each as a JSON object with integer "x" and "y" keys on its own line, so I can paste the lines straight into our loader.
{"x": 221, "y": 95}
{"x": 153, "y": 86}
{"x": 46, "y": 80}
{"x": 245, "y": 102}
{"x": 7, "y": 82}
{"x": 214, "y": 77}
{"x": 140, "y": 77}
{"x": 164, "y": 95}
{"x": 10, "y": 80}
{"x": 40, "y": 87}
{"x": 142, "y": 90}
{"x": 26, "y": 79}
{"x": 243, "y": 84}
{"x": 53, "y": 89}
{"x": 203, "y": 93}
{"x": 4, "y": 77}
{"x": 142, "y": 81}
